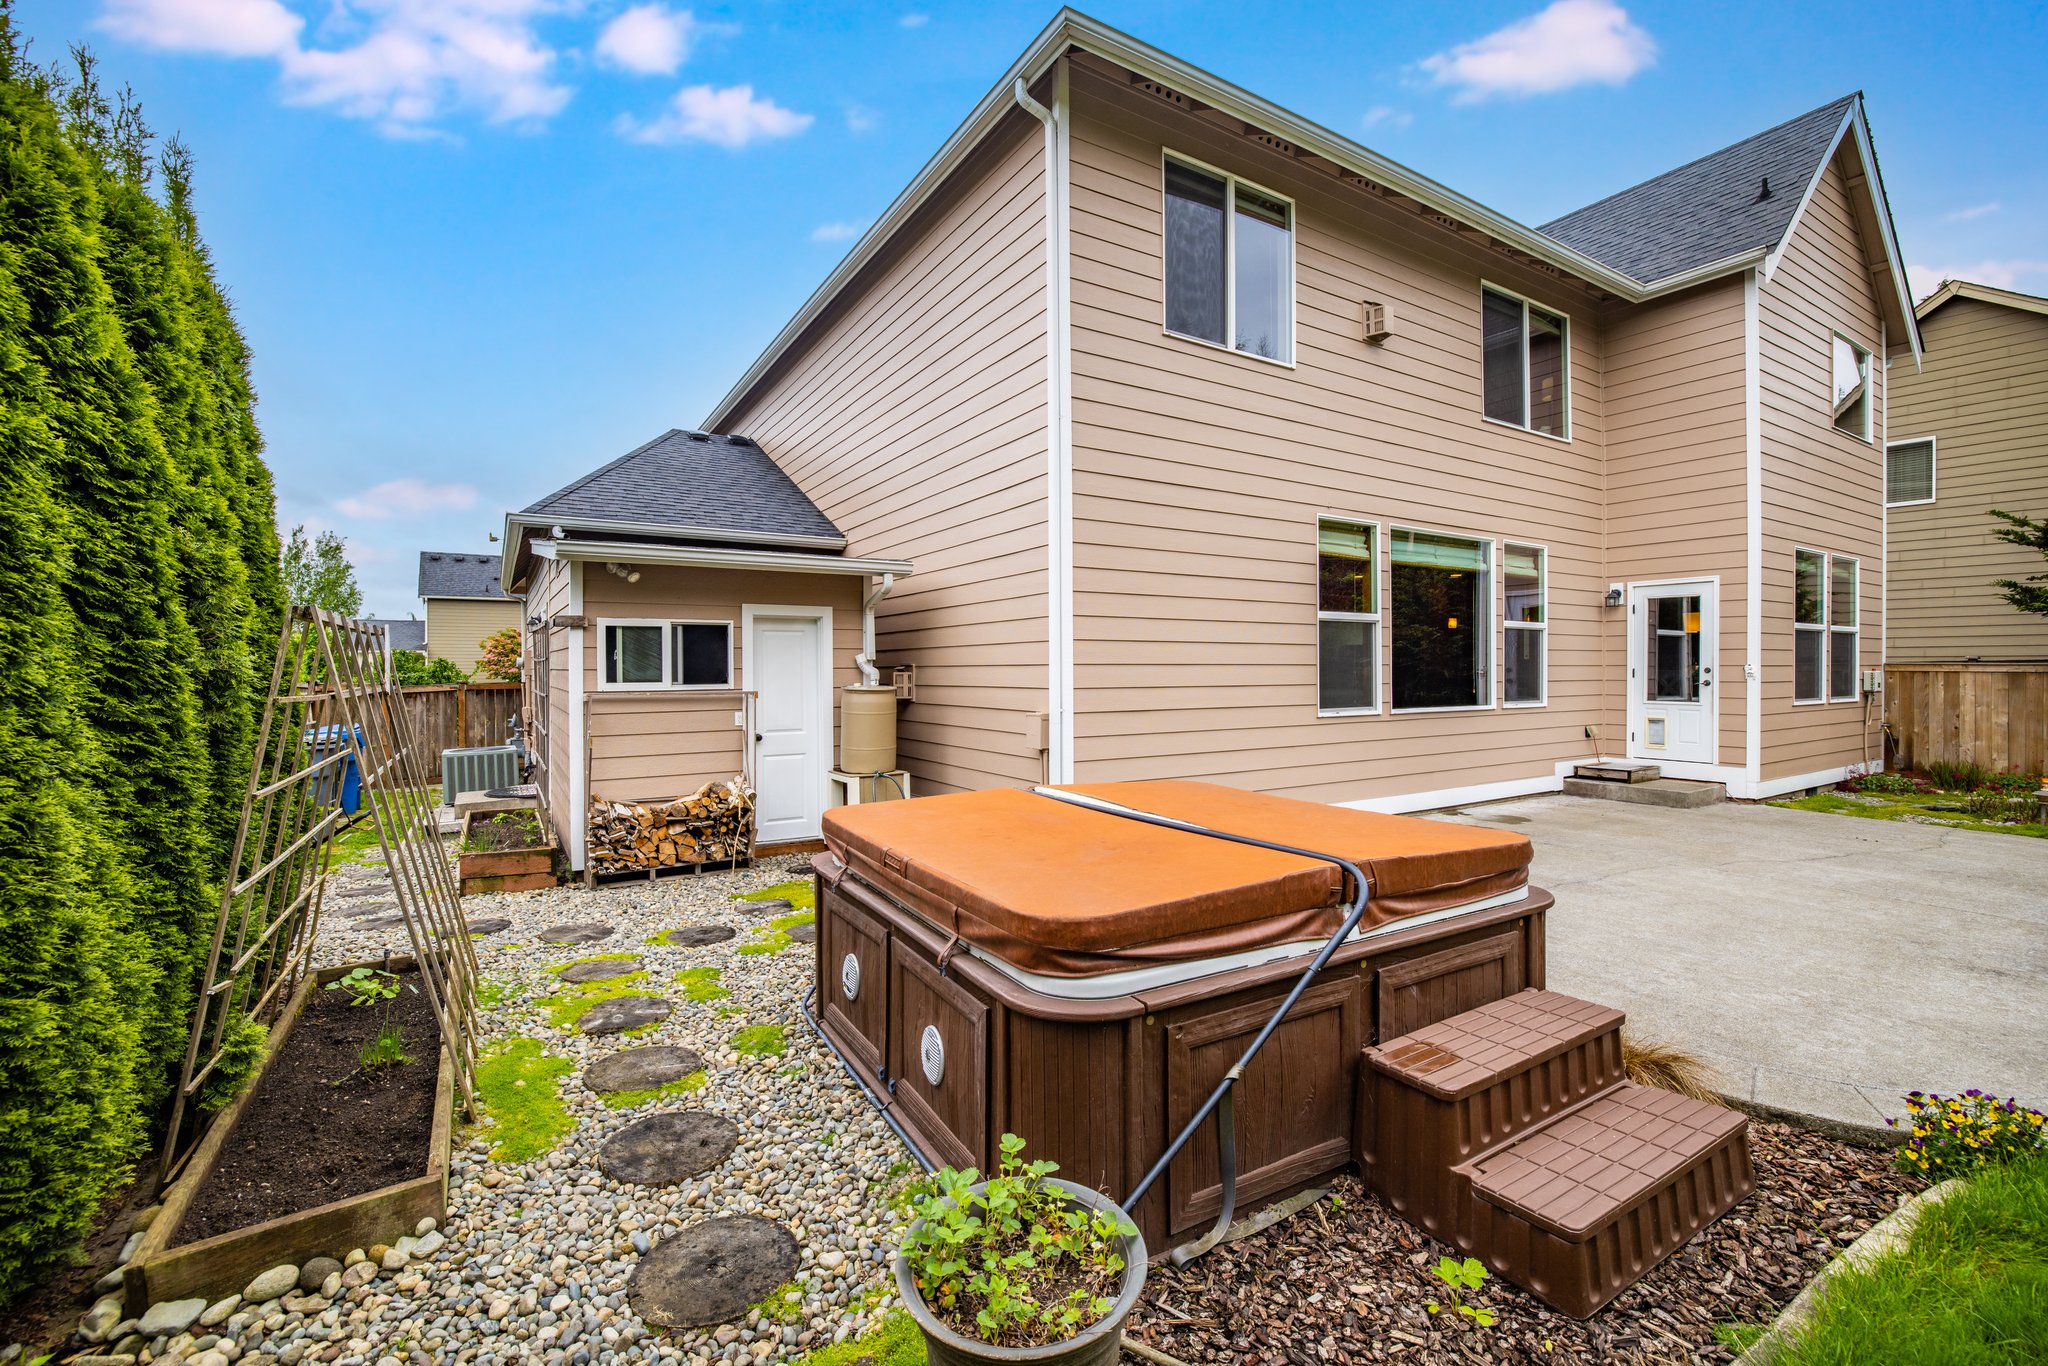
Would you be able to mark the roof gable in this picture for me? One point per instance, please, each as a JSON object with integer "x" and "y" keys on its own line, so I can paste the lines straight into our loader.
{"x": 1738, "y": 199}
{"x": 458, "y": 574}
{"x": 1952, "y": 290}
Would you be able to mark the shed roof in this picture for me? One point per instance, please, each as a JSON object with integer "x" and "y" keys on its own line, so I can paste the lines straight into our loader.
{"x": 696, "y": 485}
{"x": 458, "y": 574}
{"x": 1740, "y": 198}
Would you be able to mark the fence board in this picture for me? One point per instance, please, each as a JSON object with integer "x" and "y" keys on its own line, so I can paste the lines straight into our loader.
{"x": 1991, "y": 715}
{"x": 461, "y": 716}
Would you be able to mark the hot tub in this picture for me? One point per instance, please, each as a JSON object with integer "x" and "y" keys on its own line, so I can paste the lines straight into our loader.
{"x": 1005, "y": 962}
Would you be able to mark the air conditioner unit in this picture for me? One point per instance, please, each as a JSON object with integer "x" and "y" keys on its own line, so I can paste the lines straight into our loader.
{"x": 477, "y": 770}
{"x": 1373, "y": 317}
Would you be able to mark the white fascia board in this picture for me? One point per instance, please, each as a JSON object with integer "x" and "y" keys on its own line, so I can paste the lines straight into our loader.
{"x": 1988, "y": 294}
{"x": 709, "y": 557}
{"x": 767, "y": 538}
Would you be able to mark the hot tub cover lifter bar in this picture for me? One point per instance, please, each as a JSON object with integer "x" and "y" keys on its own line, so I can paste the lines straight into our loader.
{"x": 1359, "y": 888}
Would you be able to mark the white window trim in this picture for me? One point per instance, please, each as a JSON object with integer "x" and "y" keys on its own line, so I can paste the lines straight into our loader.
{"x": 1933, "y": 471}
{"x": 1825, "y": 627}
{"x": 1374, "y": 618}
{"x": 667, "y": 626}
{"x": 1231, "y": 181}
{"x": 1492, "y": 546}
{"x": 1543, "y": 591}
{"x": 1854, "y": 628}
{"x": 1569, "y": 326}
{"x": 1868, "y": 435}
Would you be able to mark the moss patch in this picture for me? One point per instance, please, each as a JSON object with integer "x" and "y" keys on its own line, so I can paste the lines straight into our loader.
{"x": 801, "y": 894}
{"x": 894, "y": 1342}
{"x": 760, "y": 1041}
{"x": 783, "y": 1304}
{"x": 566, "y": 1008}
{"x": 492, "y": 992}
{"x": 681, "y": 1086}
{"x": 1915, "y": 808}
{"x": 774, "y": 936}
{"x": 700, "y": 985}
{"x": 518, "y": 1086}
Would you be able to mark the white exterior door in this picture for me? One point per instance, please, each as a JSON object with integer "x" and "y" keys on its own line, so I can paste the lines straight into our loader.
{"x": 1671, "y": 707}
{"x": 788, "y": 664}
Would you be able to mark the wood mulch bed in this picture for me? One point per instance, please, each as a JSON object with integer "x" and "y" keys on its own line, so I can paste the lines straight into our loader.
{"x": 321, "y": 1129}
{"x": 1350, "y": 1284}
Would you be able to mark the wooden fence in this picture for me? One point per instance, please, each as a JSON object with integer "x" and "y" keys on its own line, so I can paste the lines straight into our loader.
{"x": 463, "y": 716}
{"x": 1991, "y": 715}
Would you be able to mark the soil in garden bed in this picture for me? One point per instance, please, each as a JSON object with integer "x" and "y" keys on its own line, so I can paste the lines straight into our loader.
{"x": 503, "y": 830}
{"x": 1351, "y": 1284}
{"x": 321, "y": 1129}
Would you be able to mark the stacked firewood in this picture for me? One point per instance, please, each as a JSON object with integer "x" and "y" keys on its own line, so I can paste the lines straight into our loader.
{"x": 712, "y": 825}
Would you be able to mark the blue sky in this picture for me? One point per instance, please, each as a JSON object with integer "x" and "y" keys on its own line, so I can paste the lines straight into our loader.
{"x": 480, "y": 246}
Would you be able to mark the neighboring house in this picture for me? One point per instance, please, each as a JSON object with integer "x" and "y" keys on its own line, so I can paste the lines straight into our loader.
{"x": 1969, "y": 432}
{"x": 465, "y": 603}
{"x": 1226, "y": 448}
{"x": 697, "y": 616}
{"x": 401, "y": 633}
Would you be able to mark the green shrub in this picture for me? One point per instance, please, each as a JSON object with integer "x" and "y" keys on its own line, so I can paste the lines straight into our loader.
{"x": 1955, "y": 1135}
{"x": 1955, "y": 777}
{"x": 414, "y": 670}
{"x": 241, "y": 1053}
{"x": 2012, "y": 784}
{"x": 1993, "y": 806}
{"x": 1896, "y": 784}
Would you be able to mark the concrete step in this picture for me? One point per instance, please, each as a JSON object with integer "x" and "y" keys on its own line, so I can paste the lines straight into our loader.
{"x": 1675, "y": 792}
{"x": 1612, "y": 771}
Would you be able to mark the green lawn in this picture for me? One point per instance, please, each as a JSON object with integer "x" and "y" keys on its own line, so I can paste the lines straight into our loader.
{"x": 1971, "y": 1288}
{"x": 1917, "y": 806}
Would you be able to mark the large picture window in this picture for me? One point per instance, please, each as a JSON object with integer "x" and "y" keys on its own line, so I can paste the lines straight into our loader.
{"x": 1852, "y": 389}
{"x": 1825, "y": 608}
{"x": 1440, "y": 593}
{"x": 666, "y": 654}
{"x": 1528, "y": 625}
{"x": 1526, "y": 365}
{"x": 1229, "y": 262}
{"x": 1347, "y": 617}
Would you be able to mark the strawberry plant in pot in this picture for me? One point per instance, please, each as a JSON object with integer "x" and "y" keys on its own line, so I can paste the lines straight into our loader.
{"x": 1022, "y": 1267}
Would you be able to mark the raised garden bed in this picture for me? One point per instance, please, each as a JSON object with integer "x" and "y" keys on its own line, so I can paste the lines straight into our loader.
{"x": 315, "y": 1157}
{"x": 506, "y": 851}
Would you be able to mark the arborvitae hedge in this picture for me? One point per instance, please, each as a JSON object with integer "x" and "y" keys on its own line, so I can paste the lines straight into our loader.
{"x": 139, "y": 605}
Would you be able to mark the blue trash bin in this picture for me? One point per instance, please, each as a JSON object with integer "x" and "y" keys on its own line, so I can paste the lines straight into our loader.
{"x": 341, "y": 787}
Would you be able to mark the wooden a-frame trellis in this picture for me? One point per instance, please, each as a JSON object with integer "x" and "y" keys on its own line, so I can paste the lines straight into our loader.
{"x": 332, "y": 699}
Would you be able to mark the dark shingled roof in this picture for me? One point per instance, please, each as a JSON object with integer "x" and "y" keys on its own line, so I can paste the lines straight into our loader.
{"x": 447, "y": 574}
{"x": 703, "y": 486}
{"x": 401, "y": 633}
{"x": 1706, "y": 210}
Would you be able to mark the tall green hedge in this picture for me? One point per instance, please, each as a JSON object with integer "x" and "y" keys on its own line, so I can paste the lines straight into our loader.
{"x": 139, "y": 604}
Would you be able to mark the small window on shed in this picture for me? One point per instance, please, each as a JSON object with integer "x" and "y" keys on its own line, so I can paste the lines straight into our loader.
{"x": 1909, "y": 472}
{"x": 703, "y": 654}
{"x": 1852, "y": 389}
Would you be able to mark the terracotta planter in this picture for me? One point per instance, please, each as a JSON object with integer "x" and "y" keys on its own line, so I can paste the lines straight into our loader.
{"x": 1097, "y": 1344}
{"x": 530, "y": 869}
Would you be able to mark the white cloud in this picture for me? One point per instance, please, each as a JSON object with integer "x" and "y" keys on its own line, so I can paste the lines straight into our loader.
{"x": 837, "y": 232}
{"x": 1387, "y": 114}
{"x": 650, "y": 40}
{"x": 401, "y": 64}
{"x": 2007, "y": 274}
{"x": 915, "y": 19}
{"x": 1571, "y": 42}
{"x": 732, "y": 117}
{"x": 1973, "y": 211}
{"x": 405, "y": 498}
{"x": 861, "y": 119}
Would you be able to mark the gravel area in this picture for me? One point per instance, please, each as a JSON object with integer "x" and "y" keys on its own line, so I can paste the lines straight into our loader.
{"x": 1348, "y": 1280}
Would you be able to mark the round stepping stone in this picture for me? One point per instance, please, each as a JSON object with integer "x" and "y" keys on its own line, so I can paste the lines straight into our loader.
{"x": 622, "y": 1013}
{"x": 711, "y": 1272}
{"x": 363, "y": 891}
{"x": 642, "y": 1069}
{"x": 777, "y": 907}
{"x": 584, "y": 932}
{"x": 494, "y": 925}
{"x": 601, "y": 971}
{"x": 806, "y": 933}
{"x": 666, "y": 1148}
{"x": 389, "y": 920}
{"x": 697, "y": 936}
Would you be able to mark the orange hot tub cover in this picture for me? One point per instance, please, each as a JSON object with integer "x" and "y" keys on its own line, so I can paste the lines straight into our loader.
{"x": 1063, "y": 890}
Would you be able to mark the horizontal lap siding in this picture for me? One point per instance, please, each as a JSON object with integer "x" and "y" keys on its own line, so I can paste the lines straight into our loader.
{"x": 548, "y": 597}
{"x": 1677, "y": 478}
{"x": 1822, "y": 489}
{"x": 914, "y": 415}
{"x": 456, "y": 627}
{"x": 1982, "y": 393}
{"x": 1198, "y": 476}
{"x": 658, "y": 745}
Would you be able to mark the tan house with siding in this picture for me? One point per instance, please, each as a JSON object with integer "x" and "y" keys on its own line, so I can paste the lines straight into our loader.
{"x": 465, "y": 603}
{"x": 1969, "y": 433}
{"x": 1226, "y": 448}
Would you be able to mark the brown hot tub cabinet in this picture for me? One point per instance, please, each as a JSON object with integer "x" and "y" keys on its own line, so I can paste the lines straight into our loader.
{"x": 999, "y": 962}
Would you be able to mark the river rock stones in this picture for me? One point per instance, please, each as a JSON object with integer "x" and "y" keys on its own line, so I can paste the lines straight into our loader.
{"x": 711, "y": 1272}
{"x": 642, "y": 1069}
{"x": 622, "y": 1013}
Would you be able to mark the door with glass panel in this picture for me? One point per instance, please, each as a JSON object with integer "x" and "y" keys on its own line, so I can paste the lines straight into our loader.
{"x": 1671, "y": 634}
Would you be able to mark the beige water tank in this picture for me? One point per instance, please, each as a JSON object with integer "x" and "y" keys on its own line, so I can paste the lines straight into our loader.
{"x": 867, "y": 729}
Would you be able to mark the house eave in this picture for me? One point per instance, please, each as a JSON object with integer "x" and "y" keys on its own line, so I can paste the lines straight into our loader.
{"x": 715, "y": 557}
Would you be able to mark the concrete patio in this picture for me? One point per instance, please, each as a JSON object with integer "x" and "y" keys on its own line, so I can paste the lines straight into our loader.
{"x": 1826, "y": 965}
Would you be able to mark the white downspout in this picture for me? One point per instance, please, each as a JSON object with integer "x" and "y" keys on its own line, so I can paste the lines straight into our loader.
{"x": 870, "y": 676}
{"x": 1059, "y": 464}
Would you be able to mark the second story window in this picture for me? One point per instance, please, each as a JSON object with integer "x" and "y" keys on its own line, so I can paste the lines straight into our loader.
{"x": 1909, "y": 473}
{"x": 1852, "y": 389}
{"x": 1527, "y": 370}
{"x": 1229, "y": 263}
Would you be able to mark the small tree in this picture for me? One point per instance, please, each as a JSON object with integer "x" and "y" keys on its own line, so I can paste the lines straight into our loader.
{"x": 415, "y": 670}
{"x": 318, "y": 574}
{"x": 500, "y": 659}
{"x": 2031, "y": 593}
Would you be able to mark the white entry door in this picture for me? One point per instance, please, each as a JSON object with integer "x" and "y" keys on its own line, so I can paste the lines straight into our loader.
{"x": 1671, "y": 634}
{"x": 788, "y": 663}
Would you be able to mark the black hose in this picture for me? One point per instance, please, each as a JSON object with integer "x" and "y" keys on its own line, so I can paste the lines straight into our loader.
{"x": 1359, "y": 890}
{"x": 881, "y": 1107}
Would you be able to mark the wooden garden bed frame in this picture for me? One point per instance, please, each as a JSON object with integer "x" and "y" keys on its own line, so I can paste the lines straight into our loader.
{"x": 530, "y": 869}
